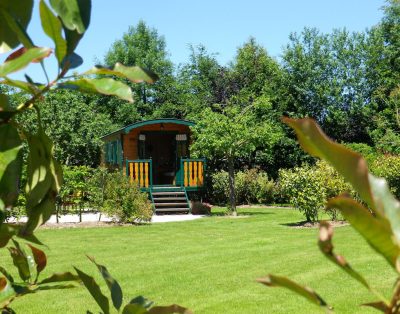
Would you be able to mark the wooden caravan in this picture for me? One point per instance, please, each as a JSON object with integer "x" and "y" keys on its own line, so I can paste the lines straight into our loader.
{"x": 154, "y": 154}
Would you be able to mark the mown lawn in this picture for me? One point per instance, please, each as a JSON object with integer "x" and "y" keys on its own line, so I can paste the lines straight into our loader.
{"x": 210, "y": 265}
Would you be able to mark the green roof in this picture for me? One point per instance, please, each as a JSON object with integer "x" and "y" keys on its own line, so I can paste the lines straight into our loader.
{"x": 132, "y": 126}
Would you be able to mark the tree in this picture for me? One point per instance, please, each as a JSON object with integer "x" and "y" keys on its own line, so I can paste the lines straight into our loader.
{"x": 74, "y": 124}
{"x": 326, "y": 79}
{"x": 142, "y": 46}
{"x": 231, "y": 134}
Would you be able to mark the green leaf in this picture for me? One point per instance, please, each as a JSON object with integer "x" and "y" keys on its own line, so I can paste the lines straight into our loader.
{"x": 380, "y": 306}
{"x": 326, "y": 247}
{"x": 24, "y": 60}
{"x": 21, "y": 10}
{"x": 377, "y": 233}
{"x": 39, "y": 179}
{"x": 39, "y": 214}
{"x": 306, "y": 292}
{"x": 26, "y": 86}
{"x": 53, "y": 28}
{"x": 134, "y": 309}
{"x": 72, "y": 61}
{"x": 54, "y": 287}
{"x": 142, "y": 301}
{"x": 20, "y": 261}
{"x": 112, "y": 284}
{"x": 386, "y": 203}
{"x": 18, "y": 29}
{"x": 106, "y": 86}
{"x": 6, "y": 274}
{"x": 134, "y": 73}
{"x": 10, "y": 165}
{"x": 7, "y": 292}
{"x": 40, "y": 259}
{"x": 60, "y": 277}
{"x": 174, "y": 308}
{"x": 348, "y": 163}
{"x": 73, "y": 38}
{"x": 75, "y": 14}
{"x": 94, "y": 290}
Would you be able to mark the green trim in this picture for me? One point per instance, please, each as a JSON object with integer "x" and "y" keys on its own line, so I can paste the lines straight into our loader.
{"x": 136, "y": 125}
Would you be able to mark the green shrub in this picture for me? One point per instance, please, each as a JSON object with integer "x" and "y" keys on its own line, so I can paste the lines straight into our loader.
{"x": 252, "y": 187}
{"x": 388, "y": 167}
{"x": 304, "y": 189}
{"x": 220, "y": 188}
{"x": 124, "y": 202}
{"x": 309, "y": 187}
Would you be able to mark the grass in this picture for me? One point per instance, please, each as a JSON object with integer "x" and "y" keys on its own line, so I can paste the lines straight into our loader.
{"x": 210, "y": 265}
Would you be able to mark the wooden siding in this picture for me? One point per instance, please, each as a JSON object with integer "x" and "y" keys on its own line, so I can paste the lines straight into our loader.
{"x": 130, "y": 140}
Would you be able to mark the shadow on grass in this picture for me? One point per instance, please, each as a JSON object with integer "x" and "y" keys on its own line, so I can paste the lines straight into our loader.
{"x": 242, "y": 213}
{"x": 301, "y": 224}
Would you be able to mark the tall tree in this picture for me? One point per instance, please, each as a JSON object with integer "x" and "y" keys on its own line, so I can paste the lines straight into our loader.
{"x": 141, "y": 46}
{"x": 326, "y": 80}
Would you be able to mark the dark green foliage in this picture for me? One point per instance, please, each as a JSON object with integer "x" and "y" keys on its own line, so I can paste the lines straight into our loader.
{"x": 75, "y": 125}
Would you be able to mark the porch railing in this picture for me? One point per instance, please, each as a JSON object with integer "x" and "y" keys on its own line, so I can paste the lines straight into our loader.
{"x": 192, "y": 172}
{"x": 140, "y": 172}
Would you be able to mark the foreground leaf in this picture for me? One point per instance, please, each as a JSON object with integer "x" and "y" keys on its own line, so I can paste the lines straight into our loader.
{"x": 75, "y": 14}
{"x": 133, "y": 73}
{"x": 134, "y": 309}
{"x": 7, "y": 292}
{"x": 378, "y": 234}
{"x": 306, "y": 292}
{"x": 60, "y": 277}
{"x": 381, "y": 306}
{"x": 348, "y": 163}
{"x": 53, "y": 28}
{"x": 112, "y": 284}
{"x": 10, "y": 166}
{"x": 21, "y": 10}
{"x": 106, "y": 86}
{"x": 174, "y": 308}
{"x": 43, "y": 181}
{"x": 40, "y": 259}
{"x": 326, "y": 247}
{"x": 23, "y": 61}
{"x": 94, "y": 290}
{"x": 26, "y": 86}
{"x": 20, "y": 261}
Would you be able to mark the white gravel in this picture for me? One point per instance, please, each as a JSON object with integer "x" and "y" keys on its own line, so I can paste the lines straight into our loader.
{"x": 94, "y": 217}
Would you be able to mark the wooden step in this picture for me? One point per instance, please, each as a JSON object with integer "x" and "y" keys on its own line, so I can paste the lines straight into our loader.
{"x": 169, "y": 198}
{"x": 172, "y": 210}
{"x": 168, "y": 193}
{"x": 169, "y": 204}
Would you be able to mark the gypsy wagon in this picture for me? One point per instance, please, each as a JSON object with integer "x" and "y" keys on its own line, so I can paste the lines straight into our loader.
{"x": 154, "y": 154}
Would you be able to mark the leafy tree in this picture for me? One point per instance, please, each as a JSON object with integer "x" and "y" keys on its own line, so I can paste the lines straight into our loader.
{"x": 232, "y": 134}
{"x": 326, "y": 79}
{"x": 142, "y": 46}
{"x": 73, "y": 122}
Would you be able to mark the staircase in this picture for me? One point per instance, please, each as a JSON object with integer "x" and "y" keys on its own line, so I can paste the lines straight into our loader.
{"x": 169, "y": 200}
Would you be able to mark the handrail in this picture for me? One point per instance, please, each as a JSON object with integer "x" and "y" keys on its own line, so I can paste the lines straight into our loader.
{"x": 192, "y": 170}
{"x": 140, "y": 171}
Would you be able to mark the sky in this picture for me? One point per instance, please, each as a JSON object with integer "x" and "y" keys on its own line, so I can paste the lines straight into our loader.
{"x": 220, "y": 25}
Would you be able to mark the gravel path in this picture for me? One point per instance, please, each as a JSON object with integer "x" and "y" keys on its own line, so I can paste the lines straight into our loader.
{"x": 94, "y": 218}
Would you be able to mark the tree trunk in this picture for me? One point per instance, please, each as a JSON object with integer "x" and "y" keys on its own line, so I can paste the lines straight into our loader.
{"x": 232, "y": 194}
